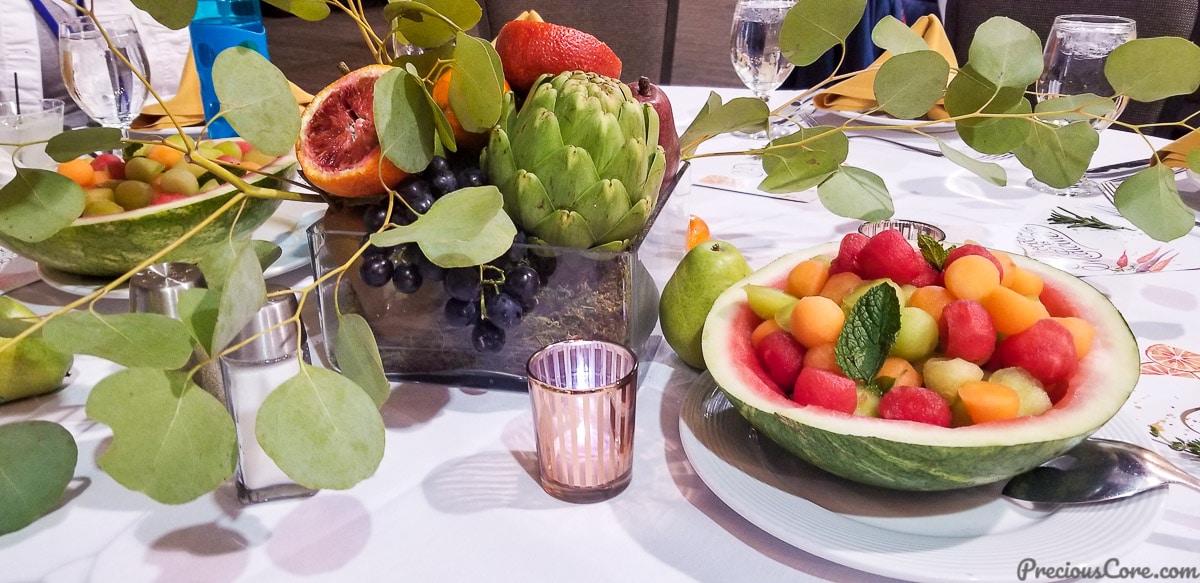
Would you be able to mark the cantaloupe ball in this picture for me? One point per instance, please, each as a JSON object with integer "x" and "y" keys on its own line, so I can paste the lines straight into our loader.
{"x": 808, "y": 277}
{"x": 901, "y": 371}
{"x": 817, "y": 320}
{"x": 971, "y": 277}
{"x": 1011, "y": 312}
{"x": 1081, "y": 331}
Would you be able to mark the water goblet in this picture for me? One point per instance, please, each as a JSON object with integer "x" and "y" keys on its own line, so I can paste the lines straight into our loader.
{"x": 98, "y": 76}
{"x": 755, "y": 51}
{"x": 1076, "y": 50}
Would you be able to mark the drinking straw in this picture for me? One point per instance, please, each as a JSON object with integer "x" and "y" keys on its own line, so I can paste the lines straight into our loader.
{"x": 17, "y": 92}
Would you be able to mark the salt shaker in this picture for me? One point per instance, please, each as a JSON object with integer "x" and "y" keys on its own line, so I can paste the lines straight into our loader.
{"x": 156, "y": 289}
{"x": 250, "y": 373}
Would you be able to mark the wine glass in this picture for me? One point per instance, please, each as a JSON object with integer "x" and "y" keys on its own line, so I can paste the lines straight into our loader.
{"x": 1076, "y": 50}
{"x": 755, "y": 50}
{"x": 98, "y": 79}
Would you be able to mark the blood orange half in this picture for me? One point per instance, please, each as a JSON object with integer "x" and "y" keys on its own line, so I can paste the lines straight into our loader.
{"x": 338, "y": 149}
{"x": 529, "y": 49}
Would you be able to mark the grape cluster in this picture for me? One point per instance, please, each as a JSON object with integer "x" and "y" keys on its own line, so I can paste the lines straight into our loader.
{"x": 488, "y": 298}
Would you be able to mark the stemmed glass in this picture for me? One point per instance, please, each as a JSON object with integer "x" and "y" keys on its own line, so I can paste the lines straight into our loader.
{"x": 97, "y": 78}
{"x": 1076, "y": 50}
{"x": 755, "y": 50}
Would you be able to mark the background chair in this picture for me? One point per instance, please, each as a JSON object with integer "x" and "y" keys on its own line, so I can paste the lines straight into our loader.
{"x": 1161, "y": 18}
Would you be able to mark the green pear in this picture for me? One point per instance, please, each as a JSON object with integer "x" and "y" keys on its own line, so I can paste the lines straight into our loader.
{"x": 706, "y": 271}
{"x": 29, "y": 367}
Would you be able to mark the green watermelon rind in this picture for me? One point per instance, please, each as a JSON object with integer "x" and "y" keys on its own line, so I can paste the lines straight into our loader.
{"x": 912, "y": 456}
{"x": 109, "y": 246}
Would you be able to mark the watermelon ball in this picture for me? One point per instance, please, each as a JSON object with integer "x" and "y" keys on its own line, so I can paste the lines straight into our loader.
{"x": 822, "y": 388}
{"x": 890, "y": 255}
{"x": 918, "y": 404}
{"x": 782, "y": 357}
{"x": 1045, "y": 349}
{"x": 967, "y": 332}
{"x": 848, "y": 250}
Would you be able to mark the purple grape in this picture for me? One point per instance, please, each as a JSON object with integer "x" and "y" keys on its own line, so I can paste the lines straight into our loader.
{"x": 523, "y": 282}
{"x": 375, "y": 217}
{"x": 443, "y": 182}
{"x": 462, "y": 283}
{"x": 406, "y": 278}
{"x": 487, "y": 337}
{"x": 430, "y": 270}
{"x": 471, "y": 176}
{"x": 376, "y": 270}
{"x": 504, "y": 310}
{"x": 459, "y": 313}
{"x": 437, "y": 164}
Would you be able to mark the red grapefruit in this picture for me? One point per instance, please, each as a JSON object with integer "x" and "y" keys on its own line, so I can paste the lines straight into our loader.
{"x": 338, "y": 149}
{"x": 529, "y": 49}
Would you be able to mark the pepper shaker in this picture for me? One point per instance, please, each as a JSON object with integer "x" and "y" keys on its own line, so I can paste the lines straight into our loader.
{"x": 252, "y": 372}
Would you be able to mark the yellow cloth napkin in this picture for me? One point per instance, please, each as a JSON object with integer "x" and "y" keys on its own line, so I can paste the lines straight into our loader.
{"x": 1175, "y": 153}
{"x": 858, "y": 92}
{"x": 186, "y": 106}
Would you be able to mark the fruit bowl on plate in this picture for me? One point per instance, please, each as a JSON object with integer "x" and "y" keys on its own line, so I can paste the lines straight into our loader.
{"x": 881, "y": 441}
{"x": 108, "y": 240}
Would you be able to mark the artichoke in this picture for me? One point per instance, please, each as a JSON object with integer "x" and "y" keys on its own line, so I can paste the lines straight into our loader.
{"x": 579, "y": 165}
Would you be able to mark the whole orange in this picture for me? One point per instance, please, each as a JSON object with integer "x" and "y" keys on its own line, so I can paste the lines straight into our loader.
{"x": 529, "y": 49}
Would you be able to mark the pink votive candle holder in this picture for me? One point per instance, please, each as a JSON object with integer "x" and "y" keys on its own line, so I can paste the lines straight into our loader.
{"x": 584, "y": 396}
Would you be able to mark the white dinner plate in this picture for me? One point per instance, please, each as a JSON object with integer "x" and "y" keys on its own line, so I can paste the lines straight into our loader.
{"x": 286, "y": 228}
{"x": 962, "y": 535}
{"x": 887, "y": 120}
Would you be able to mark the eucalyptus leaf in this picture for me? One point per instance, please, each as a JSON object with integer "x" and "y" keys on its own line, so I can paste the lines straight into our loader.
{"x": 37, "y": 462}
{"x": 463, "y": 228}
{"x": 969, "y": 93}
{"x": 855, "y": 193}
{"x": 740, "y": 114}
{"x": 131, "y": 339}
{"x": 893, "y": 36}
{"x": 812, "y": 27}
{"x": 310, "y": 10}
{"x": 476, "y": 89}
{"x": 358, "y": 358}
{"x": 1006, "y": 53}
{"x": 403, "y": 120}
{"x": 72, "y": 144}
{"x": 1058, "y": 155}
{"x": 36, "y": 204}
{"x": 171, "y": 440}
{"x": 256, "y": 99}
{"x": 267, "y": 252}
{"x": 243, "y": 293}
{"x": 1150, "y": 200}
{"x": 803, "y": 159}
{"x": 173, "y": 14}
{"x": 1074, "y": 107}
{"x": 1149, "y": 69}
{"x": 989, "y": 171}
{"x": 423, "y": 23}
{"x": 198, "y": 309}
{"x": 908, "y": 85}
{"x": 321, "y": 429}
{"x": 1193, "y": 159}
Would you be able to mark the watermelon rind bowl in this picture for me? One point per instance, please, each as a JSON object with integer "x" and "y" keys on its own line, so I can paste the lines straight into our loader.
{"x": 907, "y": 455}
{"x": 111, "y": 245}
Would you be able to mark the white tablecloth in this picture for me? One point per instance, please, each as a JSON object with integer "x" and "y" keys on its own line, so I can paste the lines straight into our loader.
{"x": 456, "y": 499}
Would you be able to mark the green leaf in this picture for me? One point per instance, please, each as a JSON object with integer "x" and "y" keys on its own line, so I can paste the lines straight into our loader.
{"x": 1074, "y": 107}
{"x": 171, "y": 439}
{"x": 1058, "y": 156}
{"x": 267, "y": 252}
{"x": 812, "y": 27}
{"x": 908, "y": 85}
{"x": 869, "y": 332}
{"x": 321, "y": 429}
{"x": 72, "y": 144}
{"x": 1006, "y": 53}
{"x": 476, "y": 89}
{"x": 892, "y": 35}
{"x": 36, "y": 204}
{"x": 1193, "y": 159}
{"x": 242, "y": 295}
{"x": 198, "y": 309}
{"x": 419, "y": 21}
{"x": 403, "y": 120}
{"x": 257, "y": 100}
{"x": 989, "y": 171}
{"x": 132, "y": 340}
{"x": 968, "y": 93}
{"x": 933, "y": 251}
{"x": 173, "y": 14}
{"x": 1150, "y": 200}
{"x": 740, "y": 114}
{"x": 1149, "y": 69}
{"x": 358, "y": 358}
{"x": 803, "y": 159}
{"x": 466, "y": 227}
{"x": 855, "y": 193}
{"x": 37, "y": 462}
{"x": 310, "y": 10}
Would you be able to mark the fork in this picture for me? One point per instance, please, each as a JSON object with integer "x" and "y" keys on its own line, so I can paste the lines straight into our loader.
{"x": 926, "y": 151}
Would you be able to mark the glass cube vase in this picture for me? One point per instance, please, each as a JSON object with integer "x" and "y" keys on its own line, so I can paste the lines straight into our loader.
{"x": 595, "y": 295}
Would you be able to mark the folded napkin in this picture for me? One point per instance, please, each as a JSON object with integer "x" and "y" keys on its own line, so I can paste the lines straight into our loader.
{"x": 858, "y": 92}
{"x": 1175, "y": 153}
{"x": 187, "y": 106}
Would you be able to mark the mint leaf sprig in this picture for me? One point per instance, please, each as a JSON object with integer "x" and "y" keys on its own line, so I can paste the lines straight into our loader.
{"x": 868, "y": 334}
{"x": 933, "y": 251}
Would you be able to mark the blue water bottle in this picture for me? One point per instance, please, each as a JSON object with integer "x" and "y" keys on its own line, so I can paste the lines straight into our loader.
{"x": 218, "y": 25}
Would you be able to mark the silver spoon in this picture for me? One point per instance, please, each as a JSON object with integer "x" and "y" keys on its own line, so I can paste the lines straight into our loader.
{"x": 1097, "y": 470}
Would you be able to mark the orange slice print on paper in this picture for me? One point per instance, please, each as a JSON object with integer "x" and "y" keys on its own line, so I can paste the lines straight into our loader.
{"x": 1172, "y": 361}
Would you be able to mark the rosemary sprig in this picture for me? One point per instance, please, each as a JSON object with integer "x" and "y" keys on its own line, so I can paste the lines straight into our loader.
{"x": 1062, "y": 216}
{"x": 1191, "y": 446}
